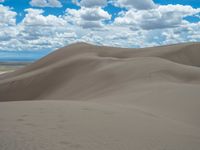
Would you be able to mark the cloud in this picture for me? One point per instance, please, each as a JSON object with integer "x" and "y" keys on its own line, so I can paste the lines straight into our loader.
{"x": 137, "y": 4}
{"x": 90, "y": 25}
{"x": 7, "y": 16}
{"x": 88, "y": 17}
{"x": 164, "y": 16}
{"x": 34, "y": 17}
{"x": 36, "y": 32}
{"x": 164, "y": 24}
{"x": 45, "y": 3}
{"x": 43, "y": 32}
{"x": 94, "y": 14}
{"x": 93, "y": 3}
{"x": 8, "y": 33}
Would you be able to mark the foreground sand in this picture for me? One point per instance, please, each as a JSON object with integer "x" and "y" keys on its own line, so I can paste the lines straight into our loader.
{"x": 102, "y": 98}
{"x": 61, "y": 125}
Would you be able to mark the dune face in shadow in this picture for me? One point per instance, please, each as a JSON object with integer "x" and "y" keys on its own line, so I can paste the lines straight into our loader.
{"x": 154, "y": 91}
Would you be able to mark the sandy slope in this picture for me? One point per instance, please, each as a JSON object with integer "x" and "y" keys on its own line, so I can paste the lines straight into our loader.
{"x": 112, "y": 98}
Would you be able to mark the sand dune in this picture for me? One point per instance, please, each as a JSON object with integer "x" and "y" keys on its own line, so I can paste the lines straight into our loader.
{"x": 112, "y": 98}
{"x": 82, "y": 71}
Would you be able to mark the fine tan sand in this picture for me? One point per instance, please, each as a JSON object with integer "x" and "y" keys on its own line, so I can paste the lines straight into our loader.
{"x": 102, "y": 98}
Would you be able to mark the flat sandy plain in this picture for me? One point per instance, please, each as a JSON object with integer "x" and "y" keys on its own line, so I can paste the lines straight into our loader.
{"x": 102, "y": 98}
{"x": 11, "y": 66}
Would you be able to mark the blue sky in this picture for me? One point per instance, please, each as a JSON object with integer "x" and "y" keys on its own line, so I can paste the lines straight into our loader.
{"x": 34, "y": 28}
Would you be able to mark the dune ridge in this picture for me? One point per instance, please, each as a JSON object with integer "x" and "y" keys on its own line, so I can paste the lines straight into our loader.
{"x": 106, "y": 98}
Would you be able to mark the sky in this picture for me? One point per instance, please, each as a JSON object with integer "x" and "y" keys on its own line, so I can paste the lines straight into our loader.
{"x": 36, "y": 27}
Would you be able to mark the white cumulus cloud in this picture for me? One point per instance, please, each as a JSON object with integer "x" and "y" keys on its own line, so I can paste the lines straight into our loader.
{"x": 163, "y": 24}
{"x": 164, "y": 16}
{"x": 7, "y": 16}
{"x": 45, "y": 3}
{"x": 138, "y": 4}
{"x": 34, "y": 17}
{"x": 88, "y": 17}
{"x": 93, "y": 3}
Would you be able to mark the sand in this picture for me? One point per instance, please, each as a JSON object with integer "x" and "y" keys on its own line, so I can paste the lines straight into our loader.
{"x": 93, "y": 97}
{"x": 3, "y": 72}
